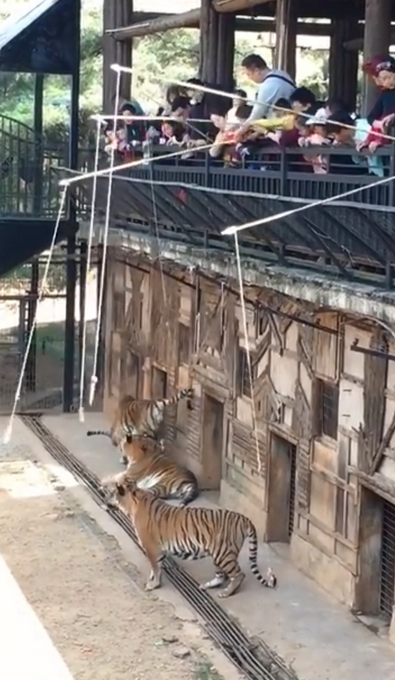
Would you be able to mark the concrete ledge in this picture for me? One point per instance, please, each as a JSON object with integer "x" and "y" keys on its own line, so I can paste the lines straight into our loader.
{"x": 319, "y": 289}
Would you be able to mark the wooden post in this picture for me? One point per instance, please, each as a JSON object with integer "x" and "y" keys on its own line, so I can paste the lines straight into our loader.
{"x": 225, "y": 50}
{"x": 116, "y": 13}
{"x": 343, "y": 64}
{"x": 286, "y": 33}
{"x": 377, "y": 38}
{"x": 208, "y": 43}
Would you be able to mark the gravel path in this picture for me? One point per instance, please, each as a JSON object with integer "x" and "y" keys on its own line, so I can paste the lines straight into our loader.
{"x": 89, "y": 600}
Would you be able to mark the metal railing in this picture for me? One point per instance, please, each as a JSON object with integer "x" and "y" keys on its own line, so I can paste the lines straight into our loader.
{"x": 284, "y": 172}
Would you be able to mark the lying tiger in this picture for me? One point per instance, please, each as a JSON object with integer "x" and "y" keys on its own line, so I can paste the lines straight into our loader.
{"x": 190, "y": 533}
{"x": 150, "y": 469}
{"x": 138, "y": 416}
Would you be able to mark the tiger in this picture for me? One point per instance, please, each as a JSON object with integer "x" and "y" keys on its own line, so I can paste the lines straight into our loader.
{"x": 137, "y": 417}
{"x": 190, "y": 533}
{"x": 148, "y": 468}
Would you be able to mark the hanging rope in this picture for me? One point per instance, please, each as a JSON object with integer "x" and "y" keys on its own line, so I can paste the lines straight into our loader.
{"x": 248, "y": 354}
{"x": 94, "y": 378}
{"x": 8, "y": 432}
{"x": 88, "y": 266}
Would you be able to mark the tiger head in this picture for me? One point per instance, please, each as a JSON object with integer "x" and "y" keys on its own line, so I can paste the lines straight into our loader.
{"x": 187, "y": 393}
{"x": 137, "y": 445}
{"x": 126, "y": 496}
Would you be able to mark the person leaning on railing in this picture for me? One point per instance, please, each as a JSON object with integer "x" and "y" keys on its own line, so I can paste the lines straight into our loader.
{"x": 382, "y": 115}
{"x": 272, "y": 85}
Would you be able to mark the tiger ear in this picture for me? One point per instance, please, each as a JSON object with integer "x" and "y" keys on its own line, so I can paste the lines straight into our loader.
{"x": 121, "y": 489}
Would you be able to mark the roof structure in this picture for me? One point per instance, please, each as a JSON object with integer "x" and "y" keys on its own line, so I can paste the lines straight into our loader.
{"x": 19, "y": 21}
{"x": 41, "y": 38}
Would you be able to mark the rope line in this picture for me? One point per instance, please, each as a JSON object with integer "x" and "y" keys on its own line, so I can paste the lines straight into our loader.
{"x": 88, "y": 266}
{"x": 248, "y": 353}
{"x": 8, "y": 431}
{"x": 81, "y": 177}
{"x": 94, "y": 378}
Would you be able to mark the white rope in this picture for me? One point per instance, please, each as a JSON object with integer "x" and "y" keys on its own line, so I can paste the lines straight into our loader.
{"x": 120, "y": 116}
{"x": 8, "y": 432}
{"x": 155, "y": 212}
{"x": 81, "y": 177}
{"x": 248, "y": 354}
{"x": 231, "y": 231}
{"x": 88, "y": 266}
{"x": 94, "y": 378}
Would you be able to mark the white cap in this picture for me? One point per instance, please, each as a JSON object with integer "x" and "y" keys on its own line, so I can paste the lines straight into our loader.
{"x": 319, "y": 118}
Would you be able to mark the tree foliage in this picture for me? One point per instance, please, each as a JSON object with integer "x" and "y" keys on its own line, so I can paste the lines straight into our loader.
{"x": 158, "y": 60}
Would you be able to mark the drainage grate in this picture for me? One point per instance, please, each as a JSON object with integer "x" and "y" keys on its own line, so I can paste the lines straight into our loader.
{"x": 292, "y": 489}
{"x": 387, "y": 571}
{"x": 251, "y": 656}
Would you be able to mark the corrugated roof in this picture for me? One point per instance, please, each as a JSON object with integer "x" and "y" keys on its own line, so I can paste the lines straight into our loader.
{"x": 16, "y": 23}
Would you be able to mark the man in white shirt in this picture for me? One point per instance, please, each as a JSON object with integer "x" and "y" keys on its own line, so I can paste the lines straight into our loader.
{"x": 272, "y": 86}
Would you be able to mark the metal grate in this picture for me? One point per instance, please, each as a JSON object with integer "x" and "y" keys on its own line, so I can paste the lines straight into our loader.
{"x": 292, "y": 490}
{"x": 243, "y": 376}
{"x": 387, "y": 570}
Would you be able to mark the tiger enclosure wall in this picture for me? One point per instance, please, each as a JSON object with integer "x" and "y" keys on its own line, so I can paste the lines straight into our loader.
{"x": 317, "y": 471}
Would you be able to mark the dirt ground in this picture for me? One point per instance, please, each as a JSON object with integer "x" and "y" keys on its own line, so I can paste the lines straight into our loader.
{"x": 89, "y": 599}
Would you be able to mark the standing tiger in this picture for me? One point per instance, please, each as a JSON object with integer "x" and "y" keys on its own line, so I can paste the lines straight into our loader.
{"x": 150, "y": 469}
{"x": 138, "y": 417}
{"x": 190, "y": 533}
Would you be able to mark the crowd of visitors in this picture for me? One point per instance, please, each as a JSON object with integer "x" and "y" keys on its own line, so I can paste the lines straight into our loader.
{"x": 250, "y": 133}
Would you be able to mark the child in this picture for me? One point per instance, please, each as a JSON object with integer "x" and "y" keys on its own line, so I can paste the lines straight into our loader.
{"x": 341, "y": 128}
{"x": 316, "y": 136}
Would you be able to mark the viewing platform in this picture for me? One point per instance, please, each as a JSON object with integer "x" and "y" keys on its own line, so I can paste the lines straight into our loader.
{"x": 192, "y": 200}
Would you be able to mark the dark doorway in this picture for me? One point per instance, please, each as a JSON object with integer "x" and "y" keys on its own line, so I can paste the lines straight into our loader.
{"x": 282, "y": 490}
{"x": 159, "y": 383}
{"x": 212, "y": 442}
{"x": 375, "y": 585}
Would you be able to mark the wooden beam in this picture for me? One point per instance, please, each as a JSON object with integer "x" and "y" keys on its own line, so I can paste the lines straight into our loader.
{"x": 286, "y": 29}
{"x": 162, "y": 23}
{"x": 376, "y": 41}
{"x": 378, "y": 455}
{"x": 236, "y": 5}
{"x": 115, "y": 12}
{"x": 343, "y": 64}
{"x": 146, "y": 24}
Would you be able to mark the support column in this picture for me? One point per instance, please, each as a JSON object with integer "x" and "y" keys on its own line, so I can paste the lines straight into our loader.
{"x": 377, "y": 38}
{"x": 226, "y": 26}
{"x": 343, "y": 64}
{"x": 83, "y": 275}
{"x": 69, "y": 348}
{"x": 116, "y": 14}
{"x": 286, "y": 34}
{"x": 31, "y": 364}
{"x": 208, "y": 36}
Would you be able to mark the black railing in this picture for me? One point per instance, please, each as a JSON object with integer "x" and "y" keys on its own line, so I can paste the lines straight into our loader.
{"x": 284, "y": 173}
